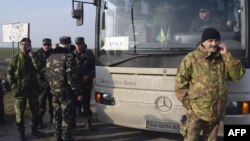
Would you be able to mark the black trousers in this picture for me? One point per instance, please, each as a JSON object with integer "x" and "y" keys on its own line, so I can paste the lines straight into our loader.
{"x": 85, "y": 103}
{"x": 43, "y": 98}
{"x": 1, "y": 106}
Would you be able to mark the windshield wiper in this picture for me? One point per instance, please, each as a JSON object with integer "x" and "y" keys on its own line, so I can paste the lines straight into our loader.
{"x": 133, "y": 24}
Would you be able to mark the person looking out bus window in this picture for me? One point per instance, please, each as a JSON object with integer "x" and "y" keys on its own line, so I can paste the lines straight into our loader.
{"x": 201, "y": 85}
{"x": 206, "y": 19}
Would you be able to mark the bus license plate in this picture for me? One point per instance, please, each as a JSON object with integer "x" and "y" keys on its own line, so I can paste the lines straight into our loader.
{"x": 163, "y": 126}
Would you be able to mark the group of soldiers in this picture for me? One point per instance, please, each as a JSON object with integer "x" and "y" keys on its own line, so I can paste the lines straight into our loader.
{"x": 62, "y": 76}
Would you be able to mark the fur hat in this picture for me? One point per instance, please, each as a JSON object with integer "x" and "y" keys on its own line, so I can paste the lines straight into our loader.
{"x": 64, "y": 41}
{"x": 210, "y": 33}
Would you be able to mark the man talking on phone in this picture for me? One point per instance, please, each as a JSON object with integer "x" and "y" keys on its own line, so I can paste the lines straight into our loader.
{"x": 201, "y": 85}
{"x": 22, "y": 72}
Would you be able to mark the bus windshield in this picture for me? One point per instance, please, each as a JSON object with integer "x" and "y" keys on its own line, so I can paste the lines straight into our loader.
{"x": 141, "y": 28}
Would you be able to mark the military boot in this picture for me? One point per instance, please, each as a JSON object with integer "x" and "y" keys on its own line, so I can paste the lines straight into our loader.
{"x": 21, "y": 131}
{"x": 37, "y": 133}
{"x": 51, "y": 114}
{"x": 59, "y": 138}
{"x": 58, "y": 135}
{"x": 40, "y": 125}
{"x": 73, "y": 124}
{"x": 51, "y": 120}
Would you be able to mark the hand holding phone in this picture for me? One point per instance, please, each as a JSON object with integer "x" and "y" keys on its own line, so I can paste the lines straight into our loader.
{"x": 222, "y": 48}
{"x": 28, "y": 50}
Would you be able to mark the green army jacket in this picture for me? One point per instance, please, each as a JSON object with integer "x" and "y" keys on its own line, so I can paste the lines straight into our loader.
{"x": 201, "y": 82}
{"x": 42, "y": 56}
{"x": 21, "y": 74}
{"x": 85, "y": 66}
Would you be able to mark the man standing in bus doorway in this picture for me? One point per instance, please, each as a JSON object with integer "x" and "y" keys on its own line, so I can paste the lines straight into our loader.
{"x": 61, "y": 73}
{"x": 86, "y": 72}
{"x": 21, "y": 74}
{"x": 43, "y": 53}
{"x": 201, "y": 85}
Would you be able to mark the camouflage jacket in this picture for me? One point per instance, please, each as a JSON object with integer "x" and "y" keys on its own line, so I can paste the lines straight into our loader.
{"x": 61, "y": 73}
{"x": 201, "y": 82}
{"x": 22, "y": 73}
{"x": 85, "y": 66}
{"x": 41, "y": 73}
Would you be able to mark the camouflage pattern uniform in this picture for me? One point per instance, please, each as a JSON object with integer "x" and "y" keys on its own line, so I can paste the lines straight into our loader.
{"x": 21, "y": 75}
{"x": 61, "y": 74}
{"x": 201, "y": 85}
{"x": 45, "y": 88}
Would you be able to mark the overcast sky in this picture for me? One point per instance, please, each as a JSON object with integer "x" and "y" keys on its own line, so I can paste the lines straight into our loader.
{"x": 48, "y": 18}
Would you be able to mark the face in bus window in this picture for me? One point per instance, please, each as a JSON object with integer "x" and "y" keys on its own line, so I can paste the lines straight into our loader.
{"x": 211, "y": 45}
{"x": 204, "y": 14}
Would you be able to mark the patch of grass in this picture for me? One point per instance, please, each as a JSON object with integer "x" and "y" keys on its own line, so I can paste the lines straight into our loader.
{"x": 7, "y": 52}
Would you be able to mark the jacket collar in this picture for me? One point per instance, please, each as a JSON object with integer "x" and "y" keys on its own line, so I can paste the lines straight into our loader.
{"x": 61, "y": 50}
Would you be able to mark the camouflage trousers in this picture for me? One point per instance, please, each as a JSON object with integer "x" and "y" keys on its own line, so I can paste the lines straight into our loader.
{"x": 63, "y": 117}
{"x": 193, "y": 126}
{"x": 20, "y": 107}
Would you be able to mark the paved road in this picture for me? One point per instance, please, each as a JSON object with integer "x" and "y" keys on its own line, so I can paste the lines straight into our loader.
{"x": 101, "y": 131}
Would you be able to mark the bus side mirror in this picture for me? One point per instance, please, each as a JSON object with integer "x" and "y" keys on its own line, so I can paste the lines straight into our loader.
{"x": 77, "y": 13}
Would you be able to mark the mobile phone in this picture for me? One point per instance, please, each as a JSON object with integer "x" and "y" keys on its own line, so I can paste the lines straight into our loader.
{"x": 219, "y": 49}
{"x": 27, "y": 51}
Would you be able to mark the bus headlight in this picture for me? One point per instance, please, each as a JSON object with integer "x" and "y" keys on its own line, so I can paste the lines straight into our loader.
{"x": 238, "y": 108}
{"x": 104, "y": 98}
{"x": 245, "y": 107}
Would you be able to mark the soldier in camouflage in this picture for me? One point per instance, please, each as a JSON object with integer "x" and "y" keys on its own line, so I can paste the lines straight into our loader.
{"x": 21, "y": 75}
{"x": 43, "y": 53}
{"x": 201, "y": 85}
{"x": 61, "y": 74}
{"x": 86, "y": 72}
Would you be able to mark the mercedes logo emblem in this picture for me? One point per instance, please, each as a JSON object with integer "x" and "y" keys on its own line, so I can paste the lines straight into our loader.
{"x": 163, "y": 104}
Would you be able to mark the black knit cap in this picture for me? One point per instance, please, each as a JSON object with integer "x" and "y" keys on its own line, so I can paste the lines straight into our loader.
{"x": 210, "y": 33}
{"x": 25, "y": 40}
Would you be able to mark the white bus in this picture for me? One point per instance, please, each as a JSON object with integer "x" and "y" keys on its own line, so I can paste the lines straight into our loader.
{"x": 139, "y": 46}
